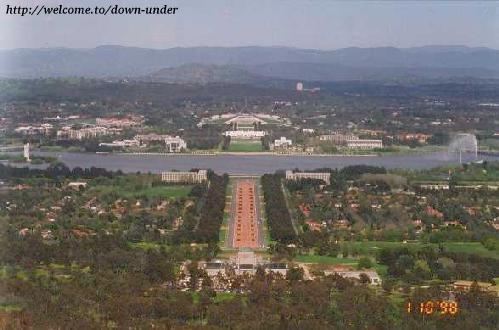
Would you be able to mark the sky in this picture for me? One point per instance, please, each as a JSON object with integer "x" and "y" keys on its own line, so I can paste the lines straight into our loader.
{"x": 319, "y": 24}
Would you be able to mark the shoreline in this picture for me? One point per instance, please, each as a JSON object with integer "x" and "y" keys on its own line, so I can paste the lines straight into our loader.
{"x": 245, "y": 163}
{"x": 259, "y": 153}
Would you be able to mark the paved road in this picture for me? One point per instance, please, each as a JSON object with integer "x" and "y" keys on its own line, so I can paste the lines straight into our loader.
{"x": 245, "y": 222}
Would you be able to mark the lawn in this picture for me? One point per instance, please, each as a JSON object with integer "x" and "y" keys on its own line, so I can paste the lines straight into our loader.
{"x": 326, "y": 260}
{"x": 3, "y": 272}
{"x": 144, "y": 245}
{"x": 316, "y": 259}
{"x": 61, "y": 271}
{"x": 245, "y": 146}
{"x": 10, "y": 307}
{"x": 371, "y": 247}
{"x": 221, "y": 236}
{"x": 223, "y": 296}
{"x": 470, "y": 247}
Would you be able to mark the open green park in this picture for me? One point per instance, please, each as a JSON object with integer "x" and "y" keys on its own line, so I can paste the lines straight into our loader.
{"x": 240, "y": 145}
{"x": 370, "y": 249}
{"x": 138, "y": 186}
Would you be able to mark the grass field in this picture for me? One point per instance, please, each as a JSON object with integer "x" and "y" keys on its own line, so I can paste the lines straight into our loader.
{"x": 470, "y": 247}
{"x": 220, "y": 296}
{"x": 265, "y": 228}
{"x": 326, "y": 260}
{"x": 10, "y": 307}
{"x": 222, "y": 235}
{"x": 461, "y": 247}
{"x": 371, "y": 248}
{"x": 173, "y": 191}
{"x": 223, "y": 296}
{"x": 245, "y": 146}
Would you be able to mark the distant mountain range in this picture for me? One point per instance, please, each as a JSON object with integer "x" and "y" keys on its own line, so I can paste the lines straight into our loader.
{"x": 252, "y": 64}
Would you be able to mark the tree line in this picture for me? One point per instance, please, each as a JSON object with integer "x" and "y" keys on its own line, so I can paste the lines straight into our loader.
{"x": 428, "y": 263}
{"x": 211, "y": 215}
{"x": 279, "y": 220}
{"x": 56, "y": 171}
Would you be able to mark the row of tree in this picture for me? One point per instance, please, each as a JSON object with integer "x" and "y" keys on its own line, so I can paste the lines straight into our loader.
{"x": 415, "y": 266}
{"x": 55, "y": 171}
{"x": 279, "y": 221}
{"x": 131, "y": 298}
{"x": 211, "y": 215}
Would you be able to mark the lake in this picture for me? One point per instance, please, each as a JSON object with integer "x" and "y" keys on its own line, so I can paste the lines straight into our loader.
{"x": 249, "y": 164}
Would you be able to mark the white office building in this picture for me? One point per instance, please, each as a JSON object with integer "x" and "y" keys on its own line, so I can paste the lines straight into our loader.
{"x": 121, "y": 143}
{"x": 68, "y": 133}
{"x": 148, "y": 138}
{"x": 245, "y": 134}
{"x": 294, "y": 176}
{"x": 282, "y": 143}
{"x": 185, "y": 177}
{"x": 175, "y": 144}
{"x": 338, "y": 138}
{"x": 364, "y": 144}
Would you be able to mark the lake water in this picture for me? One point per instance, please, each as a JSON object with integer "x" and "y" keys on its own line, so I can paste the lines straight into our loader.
{"x": 249, "y": 164}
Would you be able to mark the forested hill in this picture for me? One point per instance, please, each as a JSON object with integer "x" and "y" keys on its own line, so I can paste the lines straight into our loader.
{"x": 276, "y": 62}
{"x": 204, "y": 74}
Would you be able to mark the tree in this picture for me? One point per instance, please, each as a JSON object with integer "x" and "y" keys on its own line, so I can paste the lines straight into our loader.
{"x": 295, "y": 274}
{"x": 364, "y": 279}
{"x": 344, "y": 251}
{"x": 158, "y": 269}
{"x": 279, "y": 220}
{"x": 364, "y": 263}
{"x": 361, "y": 307}
{"x": 388, "y": 285}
